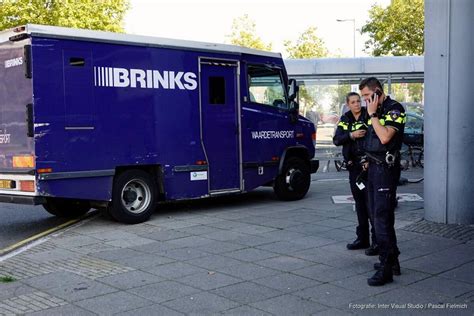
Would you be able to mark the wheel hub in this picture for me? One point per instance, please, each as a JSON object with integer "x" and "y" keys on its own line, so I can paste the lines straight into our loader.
{"x": 129, "y": 196}
{"x": 295, "y": 179}
{"x": 136, "y": 196}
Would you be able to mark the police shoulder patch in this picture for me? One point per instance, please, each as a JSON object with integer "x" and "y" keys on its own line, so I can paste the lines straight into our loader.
{"x": 394, "y": 114}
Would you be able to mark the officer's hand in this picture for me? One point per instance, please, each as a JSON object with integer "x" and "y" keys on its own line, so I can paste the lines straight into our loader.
{"x": 372, "y": 104}
{"x": 358, "y": 134}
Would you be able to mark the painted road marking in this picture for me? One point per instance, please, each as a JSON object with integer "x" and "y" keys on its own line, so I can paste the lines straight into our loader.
{"x": 38, "y": 236}
{"x": 401, "y": 197}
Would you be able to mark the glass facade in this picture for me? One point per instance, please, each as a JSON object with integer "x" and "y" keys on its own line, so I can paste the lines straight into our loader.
{"x": 322, "y": 100}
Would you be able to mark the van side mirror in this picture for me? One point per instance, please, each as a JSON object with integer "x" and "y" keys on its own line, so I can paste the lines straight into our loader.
{"x": 292, "y": 100}
{"x": 294, "y": 112}
{"x": 292, "y": 90}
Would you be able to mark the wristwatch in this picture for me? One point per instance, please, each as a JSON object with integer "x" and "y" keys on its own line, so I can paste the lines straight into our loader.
{"x": 374, "y": 114}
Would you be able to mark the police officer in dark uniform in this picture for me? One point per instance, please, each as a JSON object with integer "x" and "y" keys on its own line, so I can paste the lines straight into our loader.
{"x": 350, "y": 134}
{"x": 383, "y": 142}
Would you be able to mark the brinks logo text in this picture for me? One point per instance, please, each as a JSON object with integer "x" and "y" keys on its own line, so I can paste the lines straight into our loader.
{"x": 143, "y": 78}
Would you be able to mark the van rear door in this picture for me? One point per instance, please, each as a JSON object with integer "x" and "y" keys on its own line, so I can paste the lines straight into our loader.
{"x": 16, "y": 119}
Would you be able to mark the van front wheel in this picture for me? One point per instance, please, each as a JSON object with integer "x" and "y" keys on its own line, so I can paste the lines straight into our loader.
{"x": 134, "y": 197}
{"x": 294, "y": 181}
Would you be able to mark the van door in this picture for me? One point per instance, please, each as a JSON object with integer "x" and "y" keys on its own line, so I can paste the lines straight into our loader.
{"x": 221, "y": 123}
{"x": 16, "y": 99}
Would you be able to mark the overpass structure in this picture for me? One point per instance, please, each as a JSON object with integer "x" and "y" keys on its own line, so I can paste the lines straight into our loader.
{"x": 399, "y": 69}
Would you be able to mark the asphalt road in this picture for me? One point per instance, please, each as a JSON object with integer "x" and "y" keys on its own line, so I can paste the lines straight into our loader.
{"x": 18, "y": 222}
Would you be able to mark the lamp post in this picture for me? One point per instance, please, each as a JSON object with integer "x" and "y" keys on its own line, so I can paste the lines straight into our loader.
{"x": 354, "y": 31}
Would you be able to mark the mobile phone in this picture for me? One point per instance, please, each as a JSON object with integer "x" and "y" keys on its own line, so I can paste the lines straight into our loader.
{"x": 377, "y": 92}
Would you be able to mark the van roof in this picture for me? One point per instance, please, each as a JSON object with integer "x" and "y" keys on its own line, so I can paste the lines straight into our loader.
{"x": 140, "y": 40}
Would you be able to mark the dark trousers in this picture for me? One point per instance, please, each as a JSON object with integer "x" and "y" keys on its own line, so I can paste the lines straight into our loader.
{"x": 361, "y": 206}
{"x": 381, "y": 190}
{"x": 396, "y": 179}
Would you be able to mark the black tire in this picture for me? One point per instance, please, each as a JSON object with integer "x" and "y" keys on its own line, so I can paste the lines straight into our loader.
{"x": 66, "y": 208}
{"x": 294, "y": 181}
{"x": 134, "y": 197}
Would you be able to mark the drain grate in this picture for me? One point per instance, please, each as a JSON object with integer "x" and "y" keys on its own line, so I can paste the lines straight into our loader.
{"x": 452, "y": 231}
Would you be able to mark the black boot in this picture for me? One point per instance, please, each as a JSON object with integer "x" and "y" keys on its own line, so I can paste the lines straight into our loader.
{"x": 383, "y": 275}
{"x": 395, "y": 267}
{"x": 373, "y": 250}
{"x": 358, "y": 244}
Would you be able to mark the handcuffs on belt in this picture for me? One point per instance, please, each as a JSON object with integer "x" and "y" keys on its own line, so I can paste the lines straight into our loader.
{"x": 389, "y": 159}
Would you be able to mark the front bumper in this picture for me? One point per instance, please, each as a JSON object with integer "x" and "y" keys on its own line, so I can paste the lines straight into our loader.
{"x": 314, "y": 165}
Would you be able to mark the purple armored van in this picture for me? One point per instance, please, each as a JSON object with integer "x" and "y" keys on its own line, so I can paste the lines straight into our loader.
{"x": 122, "y": 122}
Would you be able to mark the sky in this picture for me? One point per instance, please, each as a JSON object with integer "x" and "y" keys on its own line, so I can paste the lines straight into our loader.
{"x": 276, "y": 20}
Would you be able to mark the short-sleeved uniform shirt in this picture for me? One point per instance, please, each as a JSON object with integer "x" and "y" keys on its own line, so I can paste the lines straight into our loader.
{"x": 391, "y": 113}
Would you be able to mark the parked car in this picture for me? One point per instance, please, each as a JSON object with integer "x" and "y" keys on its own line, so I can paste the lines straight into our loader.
{"x": 414, "y": 107}
{"x": 413, "y": 134}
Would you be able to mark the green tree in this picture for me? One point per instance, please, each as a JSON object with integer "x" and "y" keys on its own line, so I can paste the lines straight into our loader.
{"x": 308, "y": 45}
{"x": 244, "y": 33}
{"x": 106, "y": 15}
{"x": 408, "y": 92}
{"x": 397, "y": 30}
{"x": 339, "y": 97}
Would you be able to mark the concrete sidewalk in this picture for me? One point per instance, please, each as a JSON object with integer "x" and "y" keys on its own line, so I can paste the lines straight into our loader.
{"x": 243, "y": 255}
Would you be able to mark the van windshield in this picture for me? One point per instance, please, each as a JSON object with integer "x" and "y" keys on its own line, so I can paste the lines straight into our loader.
{"x": 266, "y": 86}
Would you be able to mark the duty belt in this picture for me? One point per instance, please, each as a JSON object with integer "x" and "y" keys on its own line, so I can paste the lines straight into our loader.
{"x": 389, "y": 159}
{"x": 357, "y": 160}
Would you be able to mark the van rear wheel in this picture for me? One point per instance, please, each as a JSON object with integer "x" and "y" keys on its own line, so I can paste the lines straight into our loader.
{"x": 134, "y": 197}
{"x": 66, "y": 208}
{"x": 294, "y": 181}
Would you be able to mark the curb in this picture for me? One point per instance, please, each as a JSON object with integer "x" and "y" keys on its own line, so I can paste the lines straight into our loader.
{"x": 45, "y": 233}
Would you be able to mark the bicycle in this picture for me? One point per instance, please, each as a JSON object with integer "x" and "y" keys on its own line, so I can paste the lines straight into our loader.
{"x": 339, "y": 163}
{"x": 412, "y": 156}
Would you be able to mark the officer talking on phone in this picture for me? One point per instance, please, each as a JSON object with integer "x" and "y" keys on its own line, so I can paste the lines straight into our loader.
{"x": 350, "y": 134}
{"x": 383, "y": 142}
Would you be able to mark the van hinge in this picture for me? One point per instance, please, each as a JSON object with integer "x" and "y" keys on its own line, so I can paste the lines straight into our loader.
{"x": 27, "y": 61}
{"x": 29, "y": 120}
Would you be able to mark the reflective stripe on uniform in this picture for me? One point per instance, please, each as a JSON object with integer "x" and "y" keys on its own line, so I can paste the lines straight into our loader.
{"x": 357, "y": 126}
{"x": 382, "y": 122}
{"x": 400, "y": 119}
{"x": 344, "y": 125}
